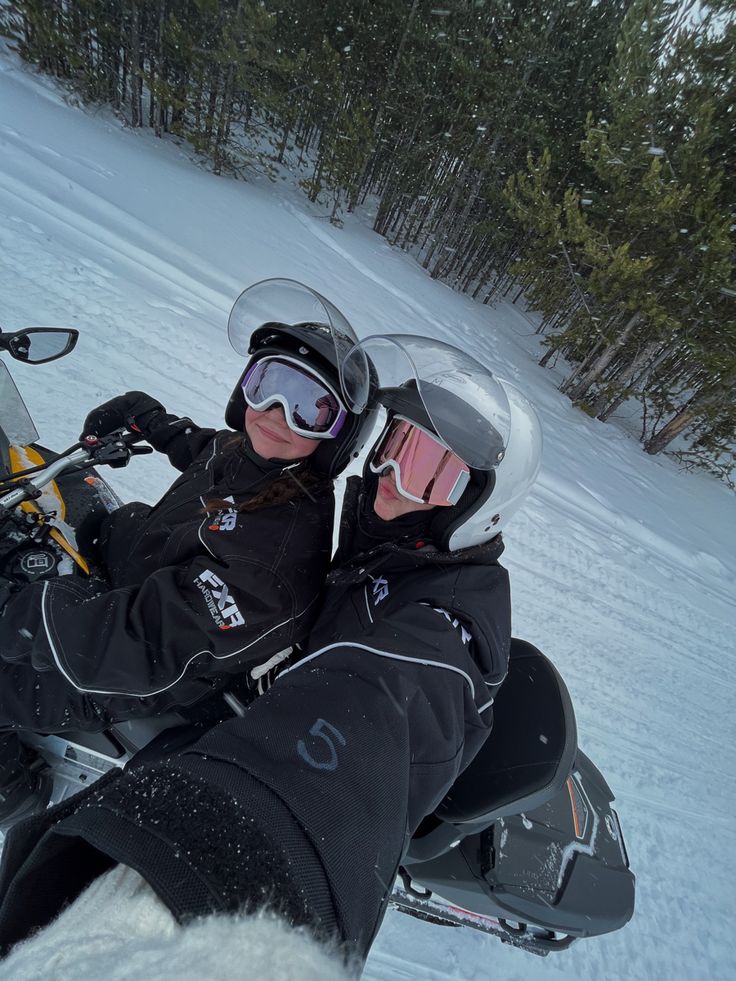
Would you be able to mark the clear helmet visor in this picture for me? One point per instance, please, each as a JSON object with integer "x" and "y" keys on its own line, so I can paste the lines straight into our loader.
{"x": 464, "y": 403}
{"x": 287, "y": 301}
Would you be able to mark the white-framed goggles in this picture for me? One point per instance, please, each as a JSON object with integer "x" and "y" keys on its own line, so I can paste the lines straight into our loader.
{"x": 312, "y": 407}
{"x": 425, "y": 469}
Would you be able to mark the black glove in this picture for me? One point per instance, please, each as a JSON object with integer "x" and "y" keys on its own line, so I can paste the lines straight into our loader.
{"x": 132, "y": 410}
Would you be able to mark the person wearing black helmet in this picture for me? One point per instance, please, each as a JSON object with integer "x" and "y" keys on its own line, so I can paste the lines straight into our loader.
{"x": 220, "y": 578}
{"x": 307, "y": 802}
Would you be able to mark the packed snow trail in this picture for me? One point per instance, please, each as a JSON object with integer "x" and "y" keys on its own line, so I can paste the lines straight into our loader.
{"x": 623, "y": 569}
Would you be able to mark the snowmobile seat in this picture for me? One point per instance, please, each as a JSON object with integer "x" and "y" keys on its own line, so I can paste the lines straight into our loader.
{"x": 523, "y": 763}
{"x": 531, "y": 749}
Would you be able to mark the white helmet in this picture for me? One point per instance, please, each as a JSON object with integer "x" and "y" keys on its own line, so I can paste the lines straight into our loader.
{"x": 487, "y": 422}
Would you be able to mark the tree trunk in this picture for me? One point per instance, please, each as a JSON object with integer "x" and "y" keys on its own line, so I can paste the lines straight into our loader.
{"x": 160, "y": 119}
{"x": 223, "y": 126}
{"x": 211, "y": 105}
{"x": 604, "y": 360}
{"x": 680, "y": 421}
{"x": 283, "y": 143}
{"x": 634, "y": 373}
{"x": 449, "y": 213}
{"x": 459, "y": 222}
{"x": 136, "y": 108}
{"x": 583, "y": 366}
{"x": 546, "y": 358}
{"x": 317, "y": 177}
{"x": 382, "y": 102}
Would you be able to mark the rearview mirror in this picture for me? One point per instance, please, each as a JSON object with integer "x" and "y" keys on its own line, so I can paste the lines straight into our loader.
{"x": 37, "y": 345}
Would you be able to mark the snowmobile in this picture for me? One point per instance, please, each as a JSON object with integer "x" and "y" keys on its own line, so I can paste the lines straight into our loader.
{"x": 526, "y": 845}
{"x": 48, "y": 503}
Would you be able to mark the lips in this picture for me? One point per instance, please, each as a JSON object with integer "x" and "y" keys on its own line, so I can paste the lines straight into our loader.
{"x": 387, "y": 490}
{"x": 271, "y": 433}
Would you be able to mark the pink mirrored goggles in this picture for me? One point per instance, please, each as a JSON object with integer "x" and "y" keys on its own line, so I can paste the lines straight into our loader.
{"x": 425, "y": 470}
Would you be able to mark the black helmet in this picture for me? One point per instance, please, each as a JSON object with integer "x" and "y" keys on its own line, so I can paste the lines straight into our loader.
{"x": 319, "y": 342}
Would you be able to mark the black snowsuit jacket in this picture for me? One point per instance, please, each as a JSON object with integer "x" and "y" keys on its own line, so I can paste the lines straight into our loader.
{"x": 309, "y": 799}
{"x": 193, "y": 595}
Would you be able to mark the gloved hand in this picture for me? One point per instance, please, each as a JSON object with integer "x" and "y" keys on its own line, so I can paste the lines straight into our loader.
{"x": 134, "y": 409}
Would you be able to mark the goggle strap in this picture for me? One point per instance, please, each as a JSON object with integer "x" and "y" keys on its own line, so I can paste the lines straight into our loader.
{"x": 458, "y": 488}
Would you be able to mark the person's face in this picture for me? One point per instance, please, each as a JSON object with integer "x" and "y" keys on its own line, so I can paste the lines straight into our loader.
{"x": 272, "y": 439}
{"x": 389, "y": 504}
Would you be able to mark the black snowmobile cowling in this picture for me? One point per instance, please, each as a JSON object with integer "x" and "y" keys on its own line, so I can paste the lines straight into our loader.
{"x": 526, "y": 845}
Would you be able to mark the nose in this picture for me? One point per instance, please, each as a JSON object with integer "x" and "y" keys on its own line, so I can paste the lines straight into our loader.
{"x": 280, "y": 415}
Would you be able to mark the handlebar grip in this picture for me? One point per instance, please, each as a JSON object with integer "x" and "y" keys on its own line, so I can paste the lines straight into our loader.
{"x": 92, "y": 441}
{"x": 130, "y": 439}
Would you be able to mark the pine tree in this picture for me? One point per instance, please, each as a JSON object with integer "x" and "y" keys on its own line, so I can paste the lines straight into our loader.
{"x": 646, "y": 240}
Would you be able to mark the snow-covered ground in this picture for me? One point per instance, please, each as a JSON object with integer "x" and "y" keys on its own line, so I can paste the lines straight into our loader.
{"x": 623, "y": 569}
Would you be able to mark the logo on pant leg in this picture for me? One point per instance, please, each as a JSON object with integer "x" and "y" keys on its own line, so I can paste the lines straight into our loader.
{"x": 222, "y": 607}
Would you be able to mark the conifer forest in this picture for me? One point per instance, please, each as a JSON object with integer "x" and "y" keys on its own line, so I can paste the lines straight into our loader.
{"x": 576, "y": 156}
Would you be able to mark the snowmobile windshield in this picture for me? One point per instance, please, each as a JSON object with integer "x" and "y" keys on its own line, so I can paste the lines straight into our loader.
{"x": 286, "y": 301}
{"x": 15, "y": 421}
{"x": 437, "y": 385}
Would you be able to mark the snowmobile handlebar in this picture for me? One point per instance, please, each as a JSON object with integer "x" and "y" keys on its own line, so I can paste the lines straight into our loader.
{"x": 113, "y": 450}
{"x": 29, "y": 489}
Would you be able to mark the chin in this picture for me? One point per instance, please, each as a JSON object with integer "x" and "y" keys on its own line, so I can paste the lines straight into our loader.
{"x": 270, "y": 451}
{"x": 383, "y": 511}
{"x": 262, "y": 449}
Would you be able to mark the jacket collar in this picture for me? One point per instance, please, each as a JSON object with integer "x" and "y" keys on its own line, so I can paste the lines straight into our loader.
{"x": 244, "y": 471}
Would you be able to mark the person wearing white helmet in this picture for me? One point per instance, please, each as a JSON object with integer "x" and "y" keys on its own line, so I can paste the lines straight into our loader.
{"x": 487, "y": 424}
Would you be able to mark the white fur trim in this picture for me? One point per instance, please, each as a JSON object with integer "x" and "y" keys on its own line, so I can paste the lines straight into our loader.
{"x": 118, "y": 930}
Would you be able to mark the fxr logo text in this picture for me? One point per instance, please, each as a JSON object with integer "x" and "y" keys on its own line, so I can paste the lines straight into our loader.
{"x": 222, "y": 607}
